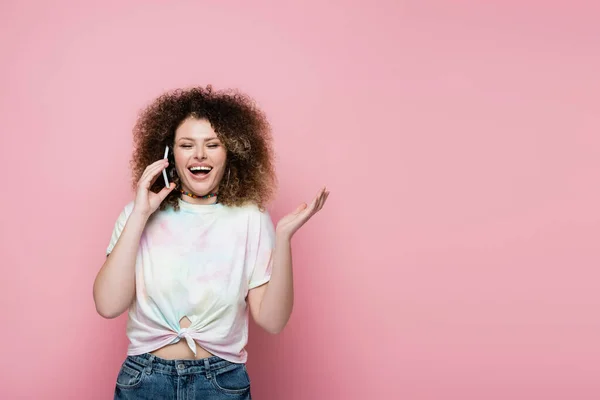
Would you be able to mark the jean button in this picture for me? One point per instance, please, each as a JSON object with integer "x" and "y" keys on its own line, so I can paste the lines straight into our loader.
{"x": 180, "y": 366}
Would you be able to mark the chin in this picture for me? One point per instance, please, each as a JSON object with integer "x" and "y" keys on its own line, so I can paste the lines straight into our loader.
{"x": 201, "y": 189}
{"x": 201, "y": 185}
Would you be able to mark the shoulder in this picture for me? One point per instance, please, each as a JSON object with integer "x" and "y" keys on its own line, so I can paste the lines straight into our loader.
{"x": 254, "y": 211}
{"x": 250, "y": 212}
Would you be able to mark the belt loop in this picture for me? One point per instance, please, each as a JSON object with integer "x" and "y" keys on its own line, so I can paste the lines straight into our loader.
{"x": 148, "y": 368}
{"x": 207, "y": 369}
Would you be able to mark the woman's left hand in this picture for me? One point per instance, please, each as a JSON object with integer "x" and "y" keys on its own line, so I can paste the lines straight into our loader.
{"x": 289, "y": 224}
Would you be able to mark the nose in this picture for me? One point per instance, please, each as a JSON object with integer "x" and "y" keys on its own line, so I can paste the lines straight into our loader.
{"x": 200, "y": 153}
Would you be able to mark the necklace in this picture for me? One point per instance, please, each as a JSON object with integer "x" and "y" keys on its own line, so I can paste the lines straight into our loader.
{"x": 206, "y": 196}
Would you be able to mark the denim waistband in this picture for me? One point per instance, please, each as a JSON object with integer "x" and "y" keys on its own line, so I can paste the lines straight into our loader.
{"x": 149, "y": 362}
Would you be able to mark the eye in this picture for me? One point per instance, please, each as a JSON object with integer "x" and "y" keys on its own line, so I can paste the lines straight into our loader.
{"x": 186, "y": 146}
{"x": 213, "y": 146}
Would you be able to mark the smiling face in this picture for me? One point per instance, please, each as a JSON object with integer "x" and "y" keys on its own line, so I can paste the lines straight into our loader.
{"x": 200, "y": 159}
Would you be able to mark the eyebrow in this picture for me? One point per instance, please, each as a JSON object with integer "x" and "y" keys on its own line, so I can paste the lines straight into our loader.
{"x": 192, "y": 139}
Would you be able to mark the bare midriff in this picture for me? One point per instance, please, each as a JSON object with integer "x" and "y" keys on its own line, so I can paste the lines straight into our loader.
{"x": 181, "y": 350}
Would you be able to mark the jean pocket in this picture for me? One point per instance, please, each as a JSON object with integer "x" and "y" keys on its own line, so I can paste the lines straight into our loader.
{"x": 232, "y": 380}
{"x": 130, "y": 375}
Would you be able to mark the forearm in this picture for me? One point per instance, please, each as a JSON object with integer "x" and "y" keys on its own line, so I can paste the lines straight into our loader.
{"x": 114, "y": 287}
{"x": 278, "y": 301}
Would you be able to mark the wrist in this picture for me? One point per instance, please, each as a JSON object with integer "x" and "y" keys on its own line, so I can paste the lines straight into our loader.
{"x": 140, "y": 215}
{"x": 283, "y": 235}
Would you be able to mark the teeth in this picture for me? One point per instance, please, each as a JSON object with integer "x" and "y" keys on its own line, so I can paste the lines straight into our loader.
{"x": 200, "y": 169}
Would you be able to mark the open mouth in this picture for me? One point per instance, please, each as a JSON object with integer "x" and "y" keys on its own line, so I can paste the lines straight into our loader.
{"x": 200, "y": 170}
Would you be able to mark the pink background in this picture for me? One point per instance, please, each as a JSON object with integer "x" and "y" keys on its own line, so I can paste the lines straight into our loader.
{"x": 457, "y": 256}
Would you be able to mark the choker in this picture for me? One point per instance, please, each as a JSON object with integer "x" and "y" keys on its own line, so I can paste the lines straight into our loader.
{"x": 206, "y": 196}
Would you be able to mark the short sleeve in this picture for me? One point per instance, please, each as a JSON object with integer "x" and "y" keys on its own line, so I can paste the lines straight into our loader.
{"x": 118, "y": 228}
{"x": 261, "y": 255}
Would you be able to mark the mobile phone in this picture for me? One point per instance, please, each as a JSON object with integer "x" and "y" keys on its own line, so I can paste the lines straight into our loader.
{"x": 164, "y": 171}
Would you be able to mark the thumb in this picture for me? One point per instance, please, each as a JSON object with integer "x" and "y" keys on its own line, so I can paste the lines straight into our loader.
{"x": 165, "y": 191}
{"x": 300, "y": 208}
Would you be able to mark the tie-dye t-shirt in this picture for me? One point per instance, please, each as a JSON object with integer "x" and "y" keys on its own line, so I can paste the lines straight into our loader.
{"x": 198, "y": 262}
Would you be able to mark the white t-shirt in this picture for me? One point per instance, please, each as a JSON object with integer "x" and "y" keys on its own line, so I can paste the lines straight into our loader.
{"x": 198, "y": 262}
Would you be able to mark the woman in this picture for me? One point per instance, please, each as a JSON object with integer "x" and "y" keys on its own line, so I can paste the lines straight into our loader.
{"x": 192, "y": 259}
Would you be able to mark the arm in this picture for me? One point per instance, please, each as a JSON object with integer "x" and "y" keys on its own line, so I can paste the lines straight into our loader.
{"x": 114, "y": 286}
{"x": 271, "y": 304}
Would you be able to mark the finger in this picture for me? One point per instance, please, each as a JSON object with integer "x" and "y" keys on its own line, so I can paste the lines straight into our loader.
{"x": 158, "y": 171}
{"x": 313, "y": 204}
{"x": 319, "y": 199}
{"x": 311, "y": 208}
{"x": 148, "y": 180}
{"x": 149, "y": 177}
{"x": 148, "y": 174}
{"x": 165, "y": 191}
{"x": 324, "y": 199}
{"x": 300, "y": 208}
{"x": 154, "y": 165}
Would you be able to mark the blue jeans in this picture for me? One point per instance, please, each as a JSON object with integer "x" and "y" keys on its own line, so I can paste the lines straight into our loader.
{"x": 149, "y": 377}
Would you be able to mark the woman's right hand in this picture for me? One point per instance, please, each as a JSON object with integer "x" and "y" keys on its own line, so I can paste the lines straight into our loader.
{"x": 146, "y": 201}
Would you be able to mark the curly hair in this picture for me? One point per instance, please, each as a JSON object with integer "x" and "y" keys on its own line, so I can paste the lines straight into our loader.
{"x": 239, "y": 124}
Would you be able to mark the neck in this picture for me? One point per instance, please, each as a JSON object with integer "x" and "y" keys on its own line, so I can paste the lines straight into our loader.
{"x": 192, "y": 198}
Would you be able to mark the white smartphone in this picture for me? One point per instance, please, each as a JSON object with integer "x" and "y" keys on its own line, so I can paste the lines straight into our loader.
{"x": 164, "y": 171}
